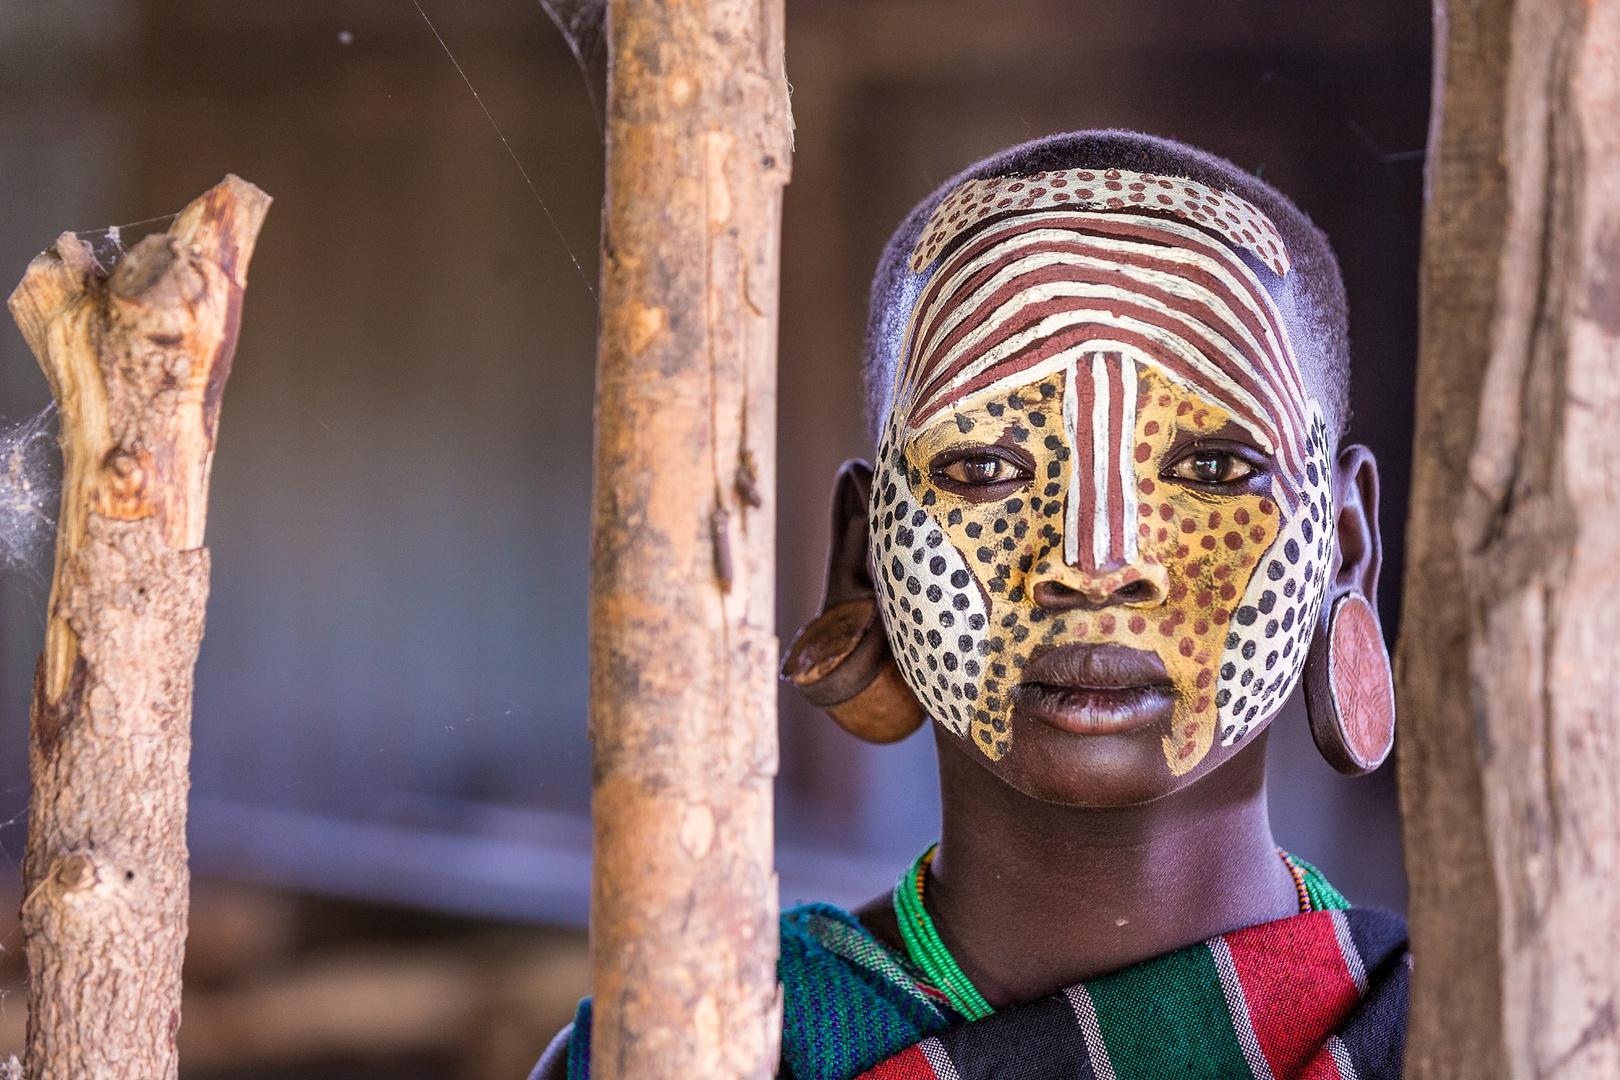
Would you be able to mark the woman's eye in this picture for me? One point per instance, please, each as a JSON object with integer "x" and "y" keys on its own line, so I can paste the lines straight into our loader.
{"x": 987, "y": 469}
{"x": 1212, "y": 467}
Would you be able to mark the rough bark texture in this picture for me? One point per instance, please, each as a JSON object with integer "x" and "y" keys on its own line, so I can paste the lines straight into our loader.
{"x": 683, "y": 653}
{"x": 137, "y": 361}
{"x": 1508, "y": 680}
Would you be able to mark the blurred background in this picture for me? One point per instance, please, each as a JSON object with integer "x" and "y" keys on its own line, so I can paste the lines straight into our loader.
{"x": 390, "y": 812}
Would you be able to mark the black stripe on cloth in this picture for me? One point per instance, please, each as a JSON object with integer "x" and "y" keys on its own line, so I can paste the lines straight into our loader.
{"x": 1375, "y": 1033}
{"x": 1045, "y": 1032}
{"x": 1379, "y": 936}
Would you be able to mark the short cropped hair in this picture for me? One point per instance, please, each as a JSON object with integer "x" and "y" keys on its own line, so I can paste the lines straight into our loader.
{"x": 1311, "y": 298}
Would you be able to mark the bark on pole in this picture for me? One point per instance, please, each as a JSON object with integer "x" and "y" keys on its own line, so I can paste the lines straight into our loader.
{"x": 683, "y": 651}
{"x": 137, "y": 360}
{"x": 1508, "y": 669}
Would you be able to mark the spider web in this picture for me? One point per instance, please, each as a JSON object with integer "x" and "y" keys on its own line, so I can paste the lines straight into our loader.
{"x": 572, "y": 17}
{"x": 28, "y": 493}
{"x": 583, "y": 25}
{"x": 30, "y": 461}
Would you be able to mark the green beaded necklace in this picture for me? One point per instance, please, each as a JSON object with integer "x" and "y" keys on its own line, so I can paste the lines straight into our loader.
{"x": 934, "y": 960}
{"x": 926, "y": 949}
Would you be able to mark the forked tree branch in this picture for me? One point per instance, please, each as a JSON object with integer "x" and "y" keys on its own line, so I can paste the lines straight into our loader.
{"x": 137, "y": 355}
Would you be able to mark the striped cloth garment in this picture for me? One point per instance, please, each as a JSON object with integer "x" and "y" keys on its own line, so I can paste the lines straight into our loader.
{"x": 1319, "y": 996}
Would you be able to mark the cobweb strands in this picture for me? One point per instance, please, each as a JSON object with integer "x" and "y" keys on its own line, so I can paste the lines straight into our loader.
{"x": 511, "y": 153}
{"x": 29, "y": 492}
{"x": 30, "y": 461}
{"x": 583, "y": 25}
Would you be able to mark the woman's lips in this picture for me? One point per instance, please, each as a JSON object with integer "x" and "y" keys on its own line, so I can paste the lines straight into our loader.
{"x": 1096, "y": 689}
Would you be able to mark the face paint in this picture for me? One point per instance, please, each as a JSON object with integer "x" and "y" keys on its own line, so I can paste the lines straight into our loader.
{"x": 1095, "y": 350}
{"x": 1234, "y": 219}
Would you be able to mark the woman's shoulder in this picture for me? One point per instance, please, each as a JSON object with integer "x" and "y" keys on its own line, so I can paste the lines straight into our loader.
{"x": 849, "y": 1000}
{"x": 554, "y": 1062}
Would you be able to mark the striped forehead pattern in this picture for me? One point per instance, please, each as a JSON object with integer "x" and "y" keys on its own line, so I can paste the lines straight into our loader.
{"x": 1058, "y": 287}
{"x": 1235, "y": 219}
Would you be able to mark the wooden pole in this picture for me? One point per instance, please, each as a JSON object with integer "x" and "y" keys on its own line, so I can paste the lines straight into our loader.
{"x": 1509, "y": 678}
{"x": 137, "y": 360}
{"x": 683, "y": 653}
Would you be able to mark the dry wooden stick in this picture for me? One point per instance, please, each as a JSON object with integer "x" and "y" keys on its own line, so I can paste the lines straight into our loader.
{"x": 683, "y": 653}
{"x": 1507, "y": 673}
{"x": 137, "y": 360}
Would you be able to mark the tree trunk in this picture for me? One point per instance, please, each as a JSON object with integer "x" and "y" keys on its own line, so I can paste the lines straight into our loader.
{"x": 1508, "y": 678}
{"x": 683, "y": 653}
{"x": 137, "y": 361}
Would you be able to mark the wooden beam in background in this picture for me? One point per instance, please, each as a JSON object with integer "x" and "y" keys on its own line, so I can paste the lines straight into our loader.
{"x": 683, "y": 653}
{"x": 1509, "y": 674}
{"x": 137, "y": 361}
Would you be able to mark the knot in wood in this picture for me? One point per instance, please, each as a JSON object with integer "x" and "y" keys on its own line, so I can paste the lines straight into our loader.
{"x": 125, "y": 485}
{"x": 146, "y": 264}
{"x": 73, "y": 873}
{"x": 747, "y": 482}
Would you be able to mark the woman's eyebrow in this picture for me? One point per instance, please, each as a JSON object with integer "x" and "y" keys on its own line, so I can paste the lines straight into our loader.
{"x": 1231, "y": 431}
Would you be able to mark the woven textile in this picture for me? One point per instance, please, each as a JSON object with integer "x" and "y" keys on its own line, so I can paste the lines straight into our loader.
{"x": 847, "y": 1001}
{"x": 1319, "y": 996}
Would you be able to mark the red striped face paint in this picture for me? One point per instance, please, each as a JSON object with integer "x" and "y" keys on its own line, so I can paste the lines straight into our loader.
{"x": 1096, "y": 356}
{"x": 1099, "y": 425}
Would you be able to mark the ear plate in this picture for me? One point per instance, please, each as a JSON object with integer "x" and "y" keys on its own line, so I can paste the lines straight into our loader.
{"x": 841, "y": 663}
{"x": 1349, "y": 688}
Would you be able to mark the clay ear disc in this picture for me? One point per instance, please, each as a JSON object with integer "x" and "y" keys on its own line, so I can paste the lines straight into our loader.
{"x": 1360, "y": 683}
{"x": 841, "y": 663}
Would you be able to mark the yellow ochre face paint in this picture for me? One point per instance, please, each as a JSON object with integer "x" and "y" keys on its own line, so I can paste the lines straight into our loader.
{"x": 1095, "y": 354}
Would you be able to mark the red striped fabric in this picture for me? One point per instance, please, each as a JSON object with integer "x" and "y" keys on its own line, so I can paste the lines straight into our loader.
{"x": 1297, "y": 984}
{"x": 1285, "y": 996}
{"x": 1323, "y": 1066}
{"x": 910, "y": 1064}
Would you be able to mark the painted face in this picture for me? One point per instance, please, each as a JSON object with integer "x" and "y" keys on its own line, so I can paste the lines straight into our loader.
{"x": 1102, "y": 408}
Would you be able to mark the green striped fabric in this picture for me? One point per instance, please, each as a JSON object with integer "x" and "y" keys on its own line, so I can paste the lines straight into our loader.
{"x": 1167, "y": 1018}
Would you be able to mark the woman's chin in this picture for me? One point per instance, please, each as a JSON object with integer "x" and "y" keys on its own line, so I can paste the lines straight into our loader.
{"x": 1090, "y": 757}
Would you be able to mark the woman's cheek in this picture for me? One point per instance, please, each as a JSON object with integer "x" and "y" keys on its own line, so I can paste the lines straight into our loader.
{"x": 1270, "y": 629}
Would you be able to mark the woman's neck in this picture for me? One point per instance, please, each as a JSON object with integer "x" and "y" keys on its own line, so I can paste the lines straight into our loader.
{"x": 1031, "y": 897}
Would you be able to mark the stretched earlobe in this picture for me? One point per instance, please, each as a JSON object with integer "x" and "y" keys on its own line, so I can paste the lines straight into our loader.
{"x": 1349, "y": 688}
{"x": 840, "y": 661}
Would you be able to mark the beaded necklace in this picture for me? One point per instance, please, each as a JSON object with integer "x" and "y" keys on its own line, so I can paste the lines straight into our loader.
{"x": 923, "y": 942}
{"x": 1297, "y": 872}
{"x": 928, "y": 952}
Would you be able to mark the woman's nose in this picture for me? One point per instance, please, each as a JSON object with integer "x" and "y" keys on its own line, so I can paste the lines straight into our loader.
{"x": 1141, "y": 583}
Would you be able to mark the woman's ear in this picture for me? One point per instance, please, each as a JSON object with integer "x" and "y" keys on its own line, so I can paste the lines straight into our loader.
{"x": 849, "y": 567}
{"x": 1349, "y": 688}
{"x": 840, "y": 661}
{"x": 1359, "y": 554}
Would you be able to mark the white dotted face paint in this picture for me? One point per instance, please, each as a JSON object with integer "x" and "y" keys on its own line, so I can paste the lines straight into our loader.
{"x": 1098, "y": 347}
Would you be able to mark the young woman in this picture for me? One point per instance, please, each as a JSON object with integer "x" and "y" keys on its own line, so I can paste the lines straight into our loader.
{"x": 1110, "y": 529}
